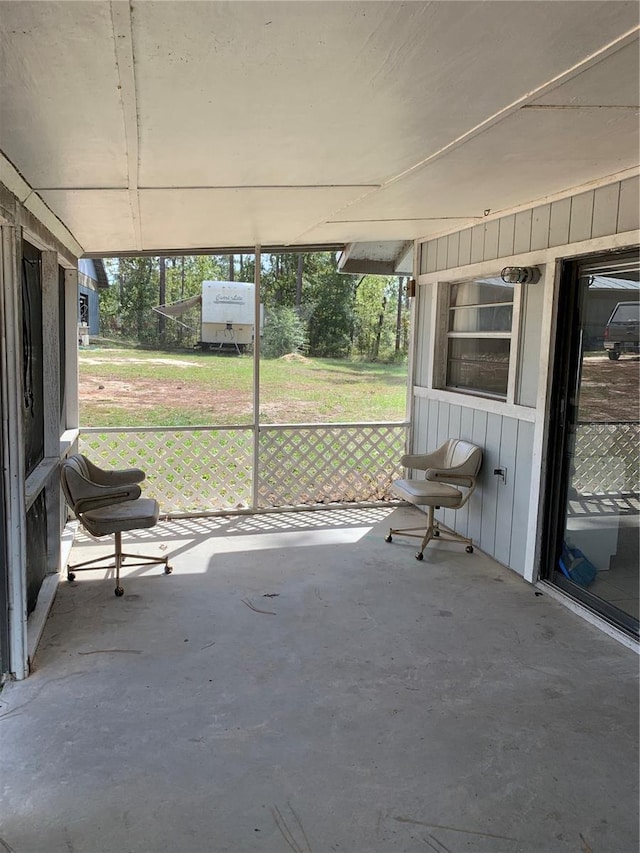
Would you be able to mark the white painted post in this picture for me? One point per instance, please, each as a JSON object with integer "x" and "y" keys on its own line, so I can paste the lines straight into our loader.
{"x": 51, "y": 353}
{"x": 255, "y": 485}
{"x": 13, "y": 448}
{"x": 51, "y": 383}
{"x": 71, "y": 348}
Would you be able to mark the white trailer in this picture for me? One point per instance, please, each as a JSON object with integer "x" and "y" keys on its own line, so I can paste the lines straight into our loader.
{"x": 227, "y": 314}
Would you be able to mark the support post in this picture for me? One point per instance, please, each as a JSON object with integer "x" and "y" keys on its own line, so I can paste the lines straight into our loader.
{"x": 71, "y": 348}
{"x": 255, "y": 486}
{"x": 13, "y": 481}
{"x": 51, "y": 383}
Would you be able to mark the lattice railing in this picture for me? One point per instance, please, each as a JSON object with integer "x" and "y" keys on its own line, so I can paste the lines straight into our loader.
{"x": 606, "y": 458}
{"x": 321, "y": 464}
{"x": 189, "y": 469}
{"x": 199, "y": 469}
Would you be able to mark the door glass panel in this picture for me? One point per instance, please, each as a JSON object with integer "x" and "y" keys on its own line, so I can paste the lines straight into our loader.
{"x": 601, "y": 516}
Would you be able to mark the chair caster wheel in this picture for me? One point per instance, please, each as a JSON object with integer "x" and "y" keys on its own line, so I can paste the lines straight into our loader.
{"x": 71, "y": 576}
{"x": 168, "y": 569}
{"x": 118, "y": 591}
{"x": 388, "y": 538}
{"x": 469, "y": 549}
{"x": 419, "y": 556}
{"x": 436, "y": 533}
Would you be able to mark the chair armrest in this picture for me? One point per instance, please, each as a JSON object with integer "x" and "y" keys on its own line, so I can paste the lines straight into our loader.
{"x": 107, "y": 496}
{"x": 448, "y": 475}
{"x": 124, "y": 476}
{"x": 419, "y": 461}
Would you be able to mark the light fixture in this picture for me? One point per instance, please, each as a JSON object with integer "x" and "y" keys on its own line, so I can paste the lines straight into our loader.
{"x": 520, "y": 275}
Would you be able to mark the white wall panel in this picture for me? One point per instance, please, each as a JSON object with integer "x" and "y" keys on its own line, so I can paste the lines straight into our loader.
{"x": 521, "y": 486}
{"x": 533, "y": 300}
{"x": 496, "y": 515}
{"x": 505, "y": 497}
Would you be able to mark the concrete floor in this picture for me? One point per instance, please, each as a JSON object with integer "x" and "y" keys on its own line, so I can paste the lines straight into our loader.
{"x": 381, "y": 704}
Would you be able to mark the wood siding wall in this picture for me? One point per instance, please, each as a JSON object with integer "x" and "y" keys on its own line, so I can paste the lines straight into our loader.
{"x": 496, "y": 516}
{"x": 499, "y": 516}
{"x": 607, "y": 210}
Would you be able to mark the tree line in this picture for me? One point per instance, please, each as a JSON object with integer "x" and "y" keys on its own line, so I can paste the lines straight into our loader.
{"x": 309, "y": 306}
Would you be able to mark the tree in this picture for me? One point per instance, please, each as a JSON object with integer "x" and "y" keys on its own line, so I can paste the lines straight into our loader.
{"x": 329, "y": 307}
{"x": 284, "y": 333}
{"x": 381, "y": 319}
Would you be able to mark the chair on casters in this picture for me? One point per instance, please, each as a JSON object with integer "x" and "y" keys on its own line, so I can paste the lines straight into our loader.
{"x": 107, "y": 502}
{"x": 454, "y": 465}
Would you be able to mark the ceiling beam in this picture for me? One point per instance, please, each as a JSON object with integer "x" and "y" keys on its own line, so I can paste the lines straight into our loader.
{"x": 123, "y": 44}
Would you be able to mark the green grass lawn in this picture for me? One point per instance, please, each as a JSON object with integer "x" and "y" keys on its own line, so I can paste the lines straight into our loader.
{"x": 135, "y": 387}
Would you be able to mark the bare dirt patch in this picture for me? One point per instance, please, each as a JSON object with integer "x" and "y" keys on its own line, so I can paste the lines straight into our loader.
{"x": 210, "y": 404}
{"x": 155, "y": 393}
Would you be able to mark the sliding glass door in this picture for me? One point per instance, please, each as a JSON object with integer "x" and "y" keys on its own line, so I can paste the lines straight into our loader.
{"x": 593, "y": 508}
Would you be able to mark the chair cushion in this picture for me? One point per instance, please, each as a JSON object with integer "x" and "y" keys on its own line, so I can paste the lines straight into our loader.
{"x": 427, "y": 493}
{"x": 129, "y": 515}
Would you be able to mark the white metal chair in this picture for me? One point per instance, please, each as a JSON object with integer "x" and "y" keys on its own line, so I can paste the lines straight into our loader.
{"x": 107, "y": 502}
{"x": 450, "y": 480}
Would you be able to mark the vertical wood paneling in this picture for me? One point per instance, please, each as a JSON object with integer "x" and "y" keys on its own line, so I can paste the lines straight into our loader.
{"x": 464, "y": 256}
{"x": 477, "y": 243}
{"x": 455, "y": 414}
{"x": 527, "y": 390}
{"x": 479, "y": 437}
{"x": 491, "y": 240}
{"x": 466, "y": 423}
{"x": 431, "y": 438}
{"x": 439, "y": 426}
{"x": 456, "y": 520}
{"x": 506, "y": 235}
{"x": 559, "y": 222}
{"x": 605, "y": 210}
{"x": 453, "y": 249}
{"x": 522, "y": 232}
{"x": 423, "y": 340}
{"x": 521, "y": 488}
{"x": 504, "y": 507}
{"x": 540, "y": 227}
{"x": 597, "y": 213}
{"x": 490, "y": 484}
{"x": 431, "y": 256}
{"x": 423, "y": 258}
{"x": 466, "y": 432}
{"x": 443, "y": 425}
{"x": 629, "y": 206}
{"x": 496, "y": 516}
{"x": 581, "y": 217}
{"x": 420, "y": 426}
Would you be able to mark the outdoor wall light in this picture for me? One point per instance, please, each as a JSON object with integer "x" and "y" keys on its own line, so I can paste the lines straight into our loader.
{"x": 520, "y": 275}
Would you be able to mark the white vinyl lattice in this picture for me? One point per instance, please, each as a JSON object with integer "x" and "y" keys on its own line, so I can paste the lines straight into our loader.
{"x": 211, "y": 469}
{"x": 302, "y": 466}
{"x": 606, "y": 458}
{"x": 188, "y": 470}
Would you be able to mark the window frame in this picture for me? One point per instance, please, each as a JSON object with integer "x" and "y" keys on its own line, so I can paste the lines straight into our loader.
{"x": 444, "y": 335}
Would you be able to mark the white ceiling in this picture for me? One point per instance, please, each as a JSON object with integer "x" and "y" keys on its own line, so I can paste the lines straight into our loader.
{"x": 177, "y": 125}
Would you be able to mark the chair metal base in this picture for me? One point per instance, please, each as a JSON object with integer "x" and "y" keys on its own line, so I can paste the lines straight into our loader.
{"x": 118, "y": 557}
{"x": 434, "y": 530}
